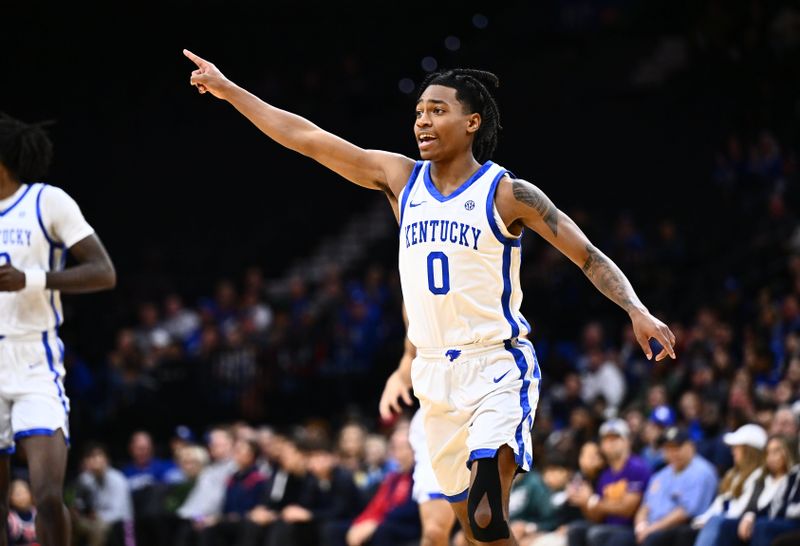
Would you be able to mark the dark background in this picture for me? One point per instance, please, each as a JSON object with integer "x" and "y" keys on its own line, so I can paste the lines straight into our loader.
{"x": 184, "y": 191}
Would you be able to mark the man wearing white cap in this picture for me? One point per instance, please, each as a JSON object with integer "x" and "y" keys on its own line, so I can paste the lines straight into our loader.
{"x": 747, "y": 444}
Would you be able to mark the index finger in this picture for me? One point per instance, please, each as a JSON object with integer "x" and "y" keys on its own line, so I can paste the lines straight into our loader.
{"x": 199, "y": 61}
{"x": 666, "y": 343}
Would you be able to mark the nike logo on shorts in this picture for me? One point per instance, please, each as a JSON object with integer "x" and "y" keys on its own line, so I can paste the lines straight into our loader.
{"x": 498, "y": 379}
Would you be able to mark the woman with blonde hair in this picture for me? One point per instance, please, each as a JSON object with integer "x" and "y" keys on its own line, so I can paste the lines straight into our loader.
{"x": 737, "y": 487}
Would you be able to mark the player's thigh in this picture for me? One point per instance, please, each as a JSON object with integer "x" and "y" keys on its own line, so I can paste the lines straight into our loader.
{"x": 437, "y": 515}
{"x": 5, "y": 481}
{"x": 47, "y": 461}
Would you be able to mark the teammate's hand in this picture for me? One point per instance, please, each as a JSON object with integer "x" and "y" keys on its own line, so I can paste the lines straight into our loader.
{"x": 11, "y": 278}
{"x": 207, "y": 78}
{"x": 646, "y": 327}
{"x": 396, "y": 388}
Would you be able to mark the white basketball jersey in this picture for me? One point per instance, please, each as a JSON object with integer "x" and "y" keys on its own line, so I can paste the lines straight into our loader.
{"x": 459, "y": 265}
{"x": 34, "y": 237}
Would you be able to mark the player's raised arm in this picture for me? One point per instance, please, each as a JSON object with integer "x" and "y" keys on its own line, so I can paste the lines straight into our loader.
{"x": 521, "y": 201}
{"x": 374, "y": 169}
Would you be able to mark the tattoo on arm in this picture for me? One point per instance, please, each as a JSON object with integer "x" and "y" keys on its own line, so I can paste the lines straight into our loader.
{"x": 534, "y": 197}
{"x": 609, "y": 279}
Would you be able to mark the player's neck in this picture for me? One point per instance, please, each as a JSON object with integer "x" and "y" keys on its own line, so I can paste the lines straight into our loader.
{"x": 448, "y": 175}
{"x": 8, "y": 187}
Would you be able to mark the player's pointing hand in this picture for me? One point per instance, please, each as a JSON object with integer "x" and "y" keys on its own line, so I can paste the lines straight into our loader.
{"x": 207, "y": 77}
{"x": 647, "y": 327}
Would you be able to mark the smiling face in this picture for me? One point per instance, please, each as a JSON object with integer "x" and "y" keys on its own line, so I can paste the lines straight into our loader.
{"x": 443, "y": 128}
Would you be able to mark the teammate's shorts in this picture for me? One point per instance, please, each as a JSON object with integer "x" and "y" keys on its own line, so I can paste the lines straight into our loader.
{"x": 476, "y": 399}
{"x": 426, "y": 488}
{"x": 32, "y": 398}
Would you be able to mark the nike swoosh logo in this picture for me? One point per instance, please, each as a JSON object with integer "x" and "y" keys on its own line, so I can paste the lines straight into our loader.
{"x": 498, "y": 379}
{"x": 415, "y": 204}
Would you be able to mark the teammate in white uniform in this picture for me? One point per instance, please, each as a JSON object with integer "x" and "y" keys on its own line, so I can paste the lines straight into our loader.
{"x": 38, "y": 225}
{"x": 460, "y": 220}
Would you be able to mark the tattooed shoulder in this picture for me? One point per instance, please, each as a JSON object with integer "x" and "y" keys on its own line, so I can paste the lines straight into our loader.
{"x": 530, "y": 195}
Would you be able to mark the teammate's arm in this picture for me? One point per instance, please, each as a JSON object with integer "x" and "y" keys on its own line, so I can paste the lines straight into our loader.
{"x": 519, "y": 201}
{"x": 374, "y": 169}
{"x": 93, "y": 272}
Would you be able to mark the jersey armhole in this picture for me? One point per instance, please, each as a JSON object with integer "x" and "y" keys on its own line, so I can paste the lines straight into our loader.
{"x": 406, "y": 191}
{"x": 493, "y": 216}
{"x": 39, "y": 217}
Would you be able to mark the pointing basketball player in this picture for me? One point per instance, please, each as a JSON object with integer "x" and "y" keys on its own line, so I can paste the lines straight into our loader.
{"x": 461, "y": 217}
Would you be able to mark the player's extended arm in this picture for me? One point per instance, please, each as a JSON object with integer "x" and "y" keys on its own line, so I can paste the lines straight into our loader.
{"x": 521, "y": 201}
{"x": 374, "y": 169}
{"x": 94, "y": 271}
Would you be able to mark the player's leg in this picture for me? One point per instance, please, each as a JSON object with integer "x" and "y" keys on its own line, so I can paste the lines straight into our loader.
{"x": 437, "y": 522}
{"x": 47, "y": 463}
{"x": 483, "y": 515}
{"x": 5, "y": 481}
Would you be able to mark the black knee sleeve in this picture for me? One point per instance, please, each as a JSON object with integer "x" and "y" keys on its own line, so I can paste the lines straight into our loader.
{"x": 487, "y": 483}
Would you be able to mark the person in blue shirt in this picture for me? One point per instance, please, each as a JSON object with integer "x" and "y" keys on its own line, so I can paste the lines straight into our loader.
{"x": 680, "y": 491}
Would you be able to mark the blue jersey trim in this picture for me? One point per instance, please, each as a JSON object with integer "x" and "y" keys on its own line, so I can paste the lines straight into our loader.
{"x": 480, "y": 454}
{"x": 407, "y": 190}
{"x": 10, "y": 450}
{"x": 15, "y": 203}
{"x": 41, "y": 222}
{"x": 471, "y": 180}
{"x": 522, "y": 364}
{"x": 34, "y": 432}
{"x": 459, "y": 497}
{"x": 505, "y": 298}
{"x": 513, "y": 241}
{"x": 436, "y": 496}
{"x": 49, "y": 352}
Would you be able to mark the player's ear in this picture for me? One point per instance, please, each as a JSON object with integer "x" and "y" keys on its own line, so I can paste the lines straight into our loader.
{"x": 473, "y": 122}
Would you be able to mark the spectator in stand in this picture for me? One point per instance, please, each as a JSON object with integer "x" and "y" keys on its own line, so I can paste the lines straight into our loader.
{"x": 376, "y": 464}
{"x": 392, "y": 516}
{"x": 661, "y": 418}
{"x": 286, "y": 487}
{"x": 678, "y": 492}
{"x": 609, "y": 507}
{"x": 602, "y": 378}
{"x": 330, "y": 500}
{"x": 145, "y": 469}
{"x": 179, "y": 322}
{"x": 538, "y": 508}
{"x": 780, "y": 458}
{"x": 244, "y": 490}
{"x": 738, "y": 485}
{"x": 203, "y": 506}
{"x": 21, "y": 515}
{"x": 103, "y": 513}
{"x": 784, "y": 422}
{"x": 351, "y": 447}
{"x": 192, "y": 460}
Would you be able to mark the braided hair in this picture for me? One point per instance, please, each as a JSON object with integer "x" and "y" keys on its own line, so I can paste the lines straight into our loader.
{"x": 473, "y": 92}
{"x": 25, "y": 149}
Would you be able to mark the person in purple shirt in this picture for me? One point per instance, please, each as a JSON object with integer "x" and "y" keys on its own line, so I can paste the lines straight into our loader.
{"x": 610, "y": 509}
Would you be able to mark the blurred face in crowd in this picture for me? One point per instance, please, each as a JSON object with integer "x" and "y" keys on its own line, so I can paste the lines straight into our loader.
{"x": 321, "y": 463}
{"x": 244, "y": 454}
{"x": 141, "y": 448}
{"x": 292, "y": 459}
{"x": 590, "y": 459}
{"x": 615, "y": 448}
{"x": 351, "y": 441}
{"x": 401, "y": 450}
{"x": 220, "y": 445}
{"x": 678, "y": 456}
{"x": 690, "y": 405}
{"x": 776, "y": 460}
{"x": 635, "y": 421}
{"x": 784, "y": 423}
{"x": 375, "y": 450}
{"x": 556, "y": 477}
{"x": 192, "y": 459}
{"x": 657, "y": 396}
{"x": 652, "y": 432}
{"x": 96, "y": 462}
{"x": 738, "y": 455}
{"x": 20, "y": 496}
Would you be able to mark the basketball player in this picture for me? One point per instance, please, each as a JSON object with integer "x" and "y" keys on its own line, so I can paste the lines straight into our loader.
{"x": 38, "y": 225}
{"x": 436, "y": 516}
{"x": 461, "y": 217}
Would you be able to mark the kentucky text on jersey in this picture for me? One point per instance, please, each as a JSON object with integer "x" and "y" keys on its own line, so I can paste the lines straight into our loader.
{"x": 442, "y": 230}
{"x": 16, "y": 237}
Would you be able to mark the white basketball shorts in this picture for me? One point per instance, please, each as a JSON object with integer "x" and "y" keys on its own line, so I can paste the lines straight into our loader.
{"x": 32, "y": 398}
{"x": 476, "y": 399}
